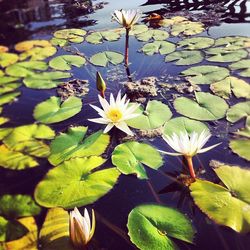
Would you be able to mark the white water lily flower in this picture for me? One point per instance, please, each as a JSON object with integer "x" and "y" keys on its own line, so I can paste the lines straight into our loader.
{"x": 188, "y": 145}
{"x": 127, "y": 18}
{"x": 115, "y": 113}
{"x": 80, "y": 228}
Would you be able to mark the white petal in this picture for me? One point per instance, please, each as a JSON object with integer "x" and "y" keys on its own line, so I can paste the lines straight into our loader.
{"x": 104, "y": 103}
{"x": 169, "y": 153}
{"x": 208, "y": 148}
{"x": 100, "y": 111}
{"x": 86, "y": 216}
{"x": 124, "y": 127}
{"x": 99, "y": 120}
{"x": 108, "y": 128}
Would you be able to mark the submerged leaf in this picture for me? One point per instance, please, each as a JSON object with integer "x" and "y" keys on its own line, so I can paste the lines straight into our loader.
{"x": 104, "y": 58}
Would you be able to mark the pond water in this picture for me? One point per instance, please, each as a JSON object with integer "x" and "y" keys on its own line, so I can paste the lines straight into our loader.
{"x": 39, "y": 19}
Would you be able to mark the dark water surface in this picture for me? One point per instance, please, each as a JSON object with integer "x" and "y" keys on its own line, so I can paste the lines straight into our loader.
{"x": 32, "y": 19}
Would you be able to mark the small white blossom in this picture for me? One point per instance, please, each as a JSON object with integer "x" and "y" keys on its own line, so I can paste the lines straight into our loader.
{"x": 115, "y": 113}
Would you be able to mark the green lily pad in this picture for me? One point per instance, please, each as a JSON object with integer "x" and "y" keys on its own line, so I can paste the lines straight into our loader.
{"x": 205, "y": 74}
{"x": 58, "y": 42}
{"x": 16, "y": 206}
{"x": 185, "y": 57}
{"x": 207, "y": 107}
{"x": 152, "y": 226}
{"x": 157, "y": 35}
{"x": 196, "y": 43}
{"x": 24, "y": 69}
{"x": 238, "y": 111}
{"x": 15, "y": 160}
{"x": 9, "y": 97}
{"x": 54, "y": 234}
{"x": 187, "y": 28}
{"x": 166, "y": 22}
{"x": 154, "y": 116}
{"x": 38, "y": 53}
{"x": 45, "y": 80}
{"x": 233, "y": 42}
{"x": 229, "y": 85}
{"x": 215, "y": 200}
{"x": 104, "y": 58}
{"x": 53, "y": 110}
{"x": 7, "y": 59}
{"x": 85, "y": 185}
{"x": 162, "y": 47}
{"x": 225, "y": 55}
{"x": 1, "y": 73}
{"x": 246, "y": 130}
{"x": 243, "y": 65}
{"x": 129, "y": 158}
{"x": 241, "y": 148}
{"x": 65, "y": 62}
{"x": 72, "y": 144}
{"x": 100, "y": 37}
{"x": 137, "y": 29}
{"x": 4, "y": 120}
{"x": 30, "y": 44}
{"x": 181, "y": 124}
{"x": 8, "y": 87}
{"x": 70, "y": 35}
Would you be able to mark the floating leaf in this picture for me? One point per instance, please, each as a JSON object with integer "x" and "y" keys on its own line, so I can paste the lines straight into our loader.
{"x": 1, "y": 73}
{"x": 215, "y": 200}
{"x": 53, "y": 110}
{"x": 3, "y": 120}
{"x": 7, "y": 59}
{"x": 162, "y": 47}
{"x": 85, "y": 185}
{"x": 8, "y": 84}
{"x": 205, "y": 74}
{"x": 245, "y": 131}
{"x": 174, "y": 20}
{"x": 37, "y": 53}
{"x": 59, "y": 42}
{"x": 70, "y": 35}
{"x": 185, "y": 57}
{"x": 15, "y": 160}
{"x": 243, "y": 65}
{"x": 30, "y": 44}
{"x": 195, "y": 43}
{"x": 100, "y": 37}
{"x": 129, "y": 158}
{"x": 154, "y": 116}
{"x": 24, "y": 69}
{"x": 241, "y": 148}
{"x": 137, "y": 29}
{"x": 225, "y": 55}
{"x": 187, "y": 28}
{"x": 207, "y": 107}
{"x": 181, "y": 124}
{"x": 3, "y": 49}
{"x": 72, "y": 144}
{"x": 65, "y": 62}
{"x": 233, "y": 42}
{"x": 238, "y": 111}
{"x": 104, "y": 58}
{"x": 54, "y": 234}
{"x": 45, "y": 80}
{"x": 9, "y": 97}
{"x": 157, "y": 35}
{"x": 16, "y": 206}
{"x": 229, "y": 85}
{"x": 151, "y": 226}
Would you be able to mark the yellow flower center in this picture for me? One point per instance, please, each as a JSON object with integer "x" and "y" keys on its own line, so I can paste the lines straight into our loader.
{"x": 114, "y": 115}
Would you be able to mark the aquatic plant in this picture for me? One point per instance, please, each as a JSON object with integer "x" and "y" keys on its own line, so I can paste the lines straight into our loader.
{"x": 100, "y": 84}
{"x": 115, "y": 113}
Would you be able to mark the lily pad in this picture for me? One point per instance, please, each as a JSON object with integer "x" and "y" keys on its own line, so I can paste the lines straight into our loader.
{"x": 38, "y": 53}
{"x": 45, "y": 80}
{"x": 215, "y": 200}
{"x": 166, "y": 22}
{"x": 53, "y": 110}
{"x": 207, "y": 107}
{"x": 205, "y": 74}
{"x": 72, "y": 144}
{"x": 58, "y": 42}
{"x": 4, "y": 120}
{"x": 15, "y": 160}
{"x": 233, "y": 42}
{"x": 185, "y": 57}
{"x": 229, "y": 85}
{"x": 157, "y": 35}
{"x": 100, "y": 37}
{"x": 7, "y": 59}
{"x": 243, "y": 65}
{"x": 3, "y": 49}
{"x": 162, "y": 47}
{"x": 152, "y": 226}
{"x": 71, "y": 35}
{"x": 9, "y": 97}
{"x": 181, "y": 124}
{"x": 8, "y": 87}
{"x": 137, "y": 29}
{"x": 65, "y": 62}
{"x": 129, "y": 158}
{"x": 187, "y": 28}
{"x": 104, "y": 58}
{"x": 241, "y": 148}
{"x": 196, "y": 43}
{"x": 154, "y": 116}
{"x": 54, "y": 234}
{"x": 238, "y": 111}
{"x": 85, "y": 185}
{"x": 30, "y": 44}
{"x": 225, "y": 55}
{"x": 16, "y": 206}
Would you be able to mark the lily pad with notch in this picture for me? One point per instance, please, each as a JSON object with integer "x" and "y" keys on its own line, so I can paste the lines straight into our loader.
{"x": 9, "y": 97}
{"x": 7, "y": 59}
{"x": 238, "y": 111}
{"x": 101, "y": 36}
{"x": 233, "y": 42}
{"x": 241, "y": 147}
{"x": 70, "y": 35}
{"x": 156, "y": 35}
{"x": 104, "y": 58}
{"x": 162, "y": 47}
{"x": 243, "y": 65}
{"x": 187, "y": 28}
{"x": 196, "y": 43}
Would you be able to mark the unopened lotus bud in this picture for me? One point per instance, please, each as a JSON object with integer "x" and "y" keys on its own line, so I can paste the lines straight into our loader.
{"x": 100, "y": 84}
